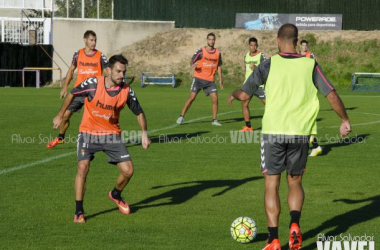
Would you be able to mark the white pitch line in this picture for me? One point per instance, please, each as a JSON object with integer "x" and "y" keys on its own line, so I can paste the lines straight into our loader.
{"x": 193, "y": 120}
{"x": 360, "y": 124}
{"x": 359, "y": 95}
{"x": 8, "y": 170}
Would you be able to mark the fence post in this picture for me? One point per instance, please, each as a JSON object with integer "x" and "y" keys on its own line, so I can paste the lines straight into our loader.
{"x": 37, "y": 79}
{"x": 82, "y": 8}
{"x": 2, "y": 31}
{"x": 23, "y": 78}
{"x": 21, "y": 28}
{"x": 97, "y": 3}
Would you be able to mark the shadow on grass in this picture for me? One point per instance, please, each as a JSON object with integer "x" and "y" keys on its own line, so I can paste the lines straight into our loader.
{"x": 185, "y": 193}
{"x": 342, "y": 142}
{"x": 261, "y": 237}
{"x": 182, "y": 194}
{"x": 350, "y": 108}
{"x": 240, "y": 119}
{"x": 341, "y": 223}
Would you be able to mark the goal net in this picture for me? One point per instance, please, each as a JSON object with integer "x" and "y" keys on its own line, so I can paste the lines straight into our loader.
{"x": 365, "y": 82}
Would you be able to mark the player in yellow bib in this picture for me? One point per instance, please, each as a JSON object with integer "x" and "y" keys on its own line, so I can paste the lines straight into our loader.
{"x": 251, "y": 60}
{"x": 291, "y": 82}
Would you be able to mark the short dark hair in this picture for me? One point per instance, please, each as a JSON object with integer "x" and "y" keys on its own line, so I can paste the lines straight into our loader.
{"x": 288, "y": 32}
{"x": 89, "y": 33}
{"x": 117, "y": 58}
{"x": 211, "y": 34}
{"x": 253, "y": 40}
{"x": 304, "y": 41}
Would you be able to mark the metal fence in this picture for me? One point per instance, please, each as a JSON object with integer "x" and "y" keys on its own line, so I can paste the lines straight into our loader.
{"x": 26, "y": 4}
{"x": 25, "y": 31}
{"x": 96, "y": 9}
{"x": 358, "y": 15}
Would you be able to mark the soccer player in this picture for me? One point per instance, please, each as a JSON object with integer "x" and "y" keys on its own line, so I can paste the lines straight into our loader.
{"x": 105, "y": 97}
{"x": 304, "y": 51}
{"x": 291, "y": 83}
{"x": 251, "y": 60}
{"x": 205, "y": 62}
{"x": 90, "y": 62}
{"x": 316, "y": 149}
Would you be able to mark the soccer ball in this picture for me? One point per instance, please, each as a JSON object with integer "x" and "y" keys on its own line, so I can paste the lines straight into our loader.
{"x": 243, "y": 229}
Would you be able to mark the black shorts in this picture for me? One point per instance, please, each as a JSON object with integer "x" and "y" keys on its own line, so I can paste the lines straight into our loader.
{"x": 207, "y": 86}
{"x": 280, "y": 152}
{"x": 77, "y": 104}
{"x": 112, "y": 145}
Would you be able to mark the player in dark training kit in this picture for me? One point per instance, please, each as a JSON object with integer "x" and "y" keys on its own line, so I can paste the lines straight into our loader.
{"x": 88, "y": 62}
{"x": 252, "y": 59}
{"x": 206, "y": 61}
{"x": 105, "y": 97}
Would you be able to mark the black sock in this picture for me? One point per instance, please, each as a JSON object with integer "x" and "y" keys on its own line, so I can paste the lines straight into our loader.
{"x": 315, "y": 143}
{"x": 61, "y": 136}
{"x": 116, "y": 194}
{"x": 273, "y": 234}
{"x": 295, "y": 217}
{"x": 213, "y": 120}
{"x": 79, "y": 207}
{"x": 181, "y": 116}
{"x": 248, "y": 124}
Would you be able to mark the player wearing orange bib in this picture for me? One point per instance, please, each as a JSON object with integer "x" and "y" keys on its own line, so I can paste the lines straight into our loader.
{"x": 105, "y": 97}
{"x": 89, "y": 62}
{"x": 206, "y": 61}
{"x": 304, "y": 51}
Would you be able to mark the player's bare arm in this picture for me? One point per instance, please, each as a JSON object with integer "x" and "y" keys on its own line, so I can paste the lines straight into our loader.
{"x": 145, "y": 141}
{"x": 105, "y": 72}
{"x": 69, "y": 76}
{"x": 220, "y": 78}
{"x": 338, "y": 106}
{"x": 58, "y": 118}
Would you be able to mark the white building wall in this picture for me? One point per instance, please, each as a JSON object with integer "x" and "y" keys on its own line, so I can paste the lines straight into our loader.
{"x": 112, "y": 35}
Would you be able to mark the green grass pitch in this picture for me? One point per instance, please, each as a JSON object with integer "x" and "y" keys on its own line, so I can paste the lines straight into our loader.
{"x": 188, "y": 186}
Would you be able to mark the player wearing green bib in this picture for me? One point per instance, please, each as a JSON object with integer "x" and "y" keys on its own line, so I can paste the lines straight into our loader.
{"x": 291, "y": 83}
{"x": 251, "y": 60}
{"x": 316, "y": 149}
